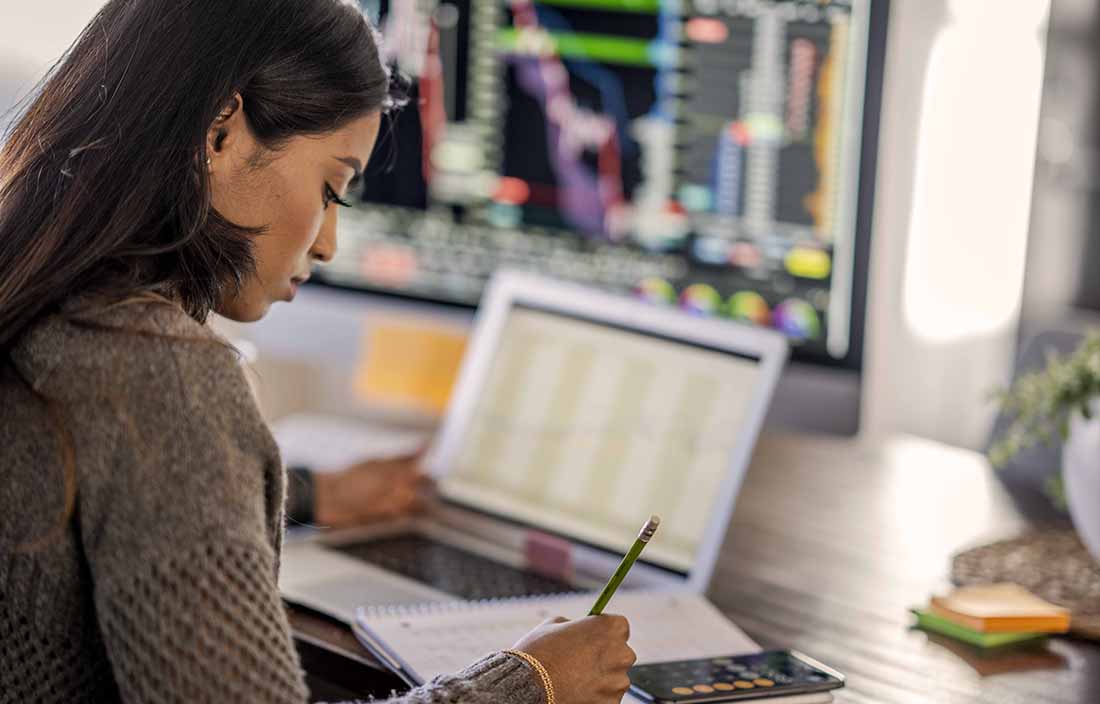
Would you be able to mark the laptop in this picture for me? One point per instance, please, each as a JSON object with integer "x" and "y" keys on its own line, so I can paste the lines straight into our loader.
{"x": 576, "y": 415}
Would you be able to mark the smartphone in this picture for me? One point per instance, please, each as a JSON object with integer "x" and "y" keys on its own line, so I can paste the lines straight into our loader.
{"x": 775, "y": 673}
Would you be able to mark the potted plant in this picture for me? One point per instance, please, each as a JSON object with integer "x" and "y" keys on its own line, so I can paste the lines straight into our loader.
{"x": 1062, "y": 403}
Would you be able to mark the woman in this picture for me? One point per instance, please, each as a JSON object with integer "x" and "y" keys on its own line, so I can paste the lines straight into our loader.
{"x": 186, "y": 157}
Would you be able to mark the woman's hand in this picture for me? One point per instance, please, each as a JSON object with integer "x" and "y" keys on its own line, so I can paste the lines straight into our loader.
{"x": 587, "y": 659}
{"x": 371, "y": 491}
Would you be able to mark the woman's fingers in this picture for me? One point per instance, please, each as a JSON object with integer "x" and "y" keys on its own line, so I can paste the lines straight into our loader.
{"x": 620, "y": 626}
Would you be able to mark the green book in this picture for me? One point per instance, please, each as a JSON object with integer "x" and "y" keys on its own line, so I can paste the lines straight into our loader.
{"x": 937, "y": 624}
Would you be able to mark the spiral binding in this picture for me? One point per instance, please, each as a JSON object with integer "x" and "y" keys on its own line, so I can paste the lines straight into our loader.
{"x": 436, "y": 608}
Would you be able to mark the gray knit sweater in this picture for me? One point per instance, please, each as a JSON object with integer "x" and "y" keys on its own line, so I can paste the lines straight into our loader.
{"x": 161, "y": 586}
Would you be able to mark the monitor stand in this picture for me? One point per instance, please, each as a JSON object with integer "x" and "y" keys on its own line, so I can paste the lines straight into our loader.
{"x": 817, "y": 399}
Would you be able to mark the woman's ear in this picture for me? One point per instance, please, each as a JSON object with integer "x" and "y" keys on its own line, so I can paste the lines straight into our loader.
{"x": 227, "y": 134}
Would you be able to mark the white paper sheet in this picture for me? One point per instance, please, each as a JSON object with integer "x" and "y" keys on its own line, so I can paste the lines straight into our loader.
{"x": 434, "y": 639}
{"x": 325, "y": 442}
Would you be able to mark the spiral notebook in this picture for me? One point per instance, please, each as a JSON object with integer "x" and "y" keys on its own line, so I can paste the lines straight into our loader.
{"x": 422, "y": 641}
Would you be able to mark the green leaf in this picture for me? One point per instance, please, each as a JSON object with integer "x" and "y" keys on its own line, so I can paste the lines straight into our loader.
{"x": 1038, "y": 404}
{"x": 1055, "y": 489}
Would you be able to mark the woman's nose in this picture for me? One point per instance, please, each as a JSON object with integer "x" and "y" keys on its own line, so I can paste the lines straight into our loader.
{"x": 324, "y": 247}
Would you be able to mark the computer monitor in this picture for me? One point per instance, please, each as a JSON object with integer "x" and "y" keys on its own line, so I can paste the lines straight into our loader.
{"x": 712, "y": 155}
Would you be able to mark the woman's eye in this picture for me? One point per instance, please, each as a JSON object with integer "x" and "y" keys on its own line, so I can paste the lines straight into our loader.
{"x": 331, "y": 197}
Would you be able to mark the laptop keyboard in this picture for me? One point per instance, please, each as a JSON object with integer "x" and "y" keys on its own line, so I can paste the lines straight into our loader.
{"x": 451, "y": 569}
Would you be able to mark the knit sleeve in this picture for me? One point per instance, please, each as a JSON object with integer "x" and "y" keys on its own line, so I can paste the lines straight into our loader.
{"x": 208, "y": 625}
{"x": 203, "y": 625}
{"x": 180, "y": 493}
{"x": 179, "y": 511}
{"x": 496, "y": 678}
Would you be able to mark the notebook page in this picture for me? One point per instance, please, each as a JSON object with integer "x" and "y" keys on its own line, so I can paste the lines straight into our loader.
{"x": 434, "y": 641}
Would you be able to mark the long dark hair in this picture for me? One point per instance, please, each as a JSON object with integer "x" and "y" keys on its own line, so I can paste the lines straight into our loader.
{"x": 102, "y": 188}
{"x": 102, "y": 185}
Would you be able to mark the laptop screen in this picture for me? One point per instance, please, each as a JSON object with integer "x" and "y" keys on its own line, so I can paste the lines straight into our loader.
{"x": 584, "y": 429}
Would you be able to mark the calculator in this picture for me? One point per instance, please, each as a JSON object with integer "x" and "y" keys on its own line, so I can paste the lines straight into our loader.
{"x": 773, "y": 673}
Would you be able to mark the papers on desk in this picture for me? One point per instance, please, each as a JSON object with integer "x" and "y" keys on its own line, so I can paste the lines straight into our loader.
{"x": 325, "y": 442}
{"x": 420, "y": 642}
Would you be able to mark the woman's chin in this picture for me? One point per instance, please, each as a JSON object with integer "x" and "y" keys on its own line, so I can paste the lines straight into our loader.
{"x": 244, "y": 311}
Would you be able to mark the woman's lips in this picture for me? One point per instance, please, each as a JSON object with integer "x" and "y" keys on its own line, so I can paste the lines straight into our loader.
{"x": 295, "y": 283}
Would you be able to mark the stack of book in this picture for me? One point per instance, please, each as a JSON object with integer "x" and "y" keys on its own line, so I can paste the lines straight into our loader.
{"x": 992, "y": 615}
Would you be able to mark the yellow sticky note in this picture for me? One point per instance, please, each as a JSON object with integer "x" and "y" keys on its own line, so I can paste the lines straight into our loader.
{"x": 409, "y": 364}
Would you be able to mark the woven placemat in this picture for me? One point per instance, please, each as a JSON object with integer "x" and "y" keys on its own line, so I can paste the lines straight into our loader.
{"x": 1053, "y": 564}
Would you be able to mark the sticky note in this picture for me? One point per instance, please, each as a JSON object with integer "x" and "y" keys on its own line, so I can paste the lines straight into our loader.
{"x": 410, "y": 364}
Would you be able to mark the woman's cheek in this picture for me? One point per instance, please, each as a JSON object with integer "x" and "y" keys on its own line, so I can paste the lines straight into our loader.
{"x": 308, "y": 218}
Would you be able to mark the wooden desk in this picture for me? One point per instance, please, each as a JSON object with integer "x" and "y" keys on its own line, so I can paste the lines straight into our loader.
{"x": 832, "y": 540}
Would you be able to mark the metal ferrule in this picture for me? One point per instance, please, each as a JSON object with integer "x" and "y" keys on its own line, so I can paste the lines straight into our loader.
{"x": 649, "y": 529}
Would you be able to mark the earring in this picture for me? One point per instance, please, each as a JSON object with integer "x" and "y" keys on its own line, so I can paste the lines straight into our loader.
{"x": 209, "y": 164}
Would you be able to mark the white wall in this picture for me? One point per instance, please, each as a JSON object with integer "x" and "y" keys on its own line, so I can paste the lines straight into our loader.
{"x": 960, "y": 116}
{"x": 37, "y": 33}
{"x": 33, "y": 35}
{"x": 1065, "y": 210}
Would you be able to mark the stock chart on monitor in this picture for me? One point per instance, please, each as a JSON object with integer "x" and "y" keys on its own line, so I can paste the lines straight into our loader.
{"x": 702, "y": 154}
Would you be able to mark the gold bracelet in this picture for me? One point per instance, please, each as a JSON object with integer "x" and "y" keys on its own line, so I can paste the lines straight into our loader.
{"x": 537, "y": 667}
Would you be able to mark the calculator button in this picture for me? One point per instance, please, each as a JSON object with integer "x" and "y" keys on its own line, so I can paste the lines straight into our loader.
{"x": 763, "y": 682}
{"x": 723, "y": 686}
{"x": 749, "y": 675}
{"x": 742, "y": 684}
{"x": 703, "y": 688}
{"x": 683, "y": 690}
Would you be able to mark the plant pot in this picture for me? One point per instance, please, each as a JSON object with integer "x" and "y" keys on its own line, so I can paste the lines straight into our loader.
{"x": 1081, "y": 475}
